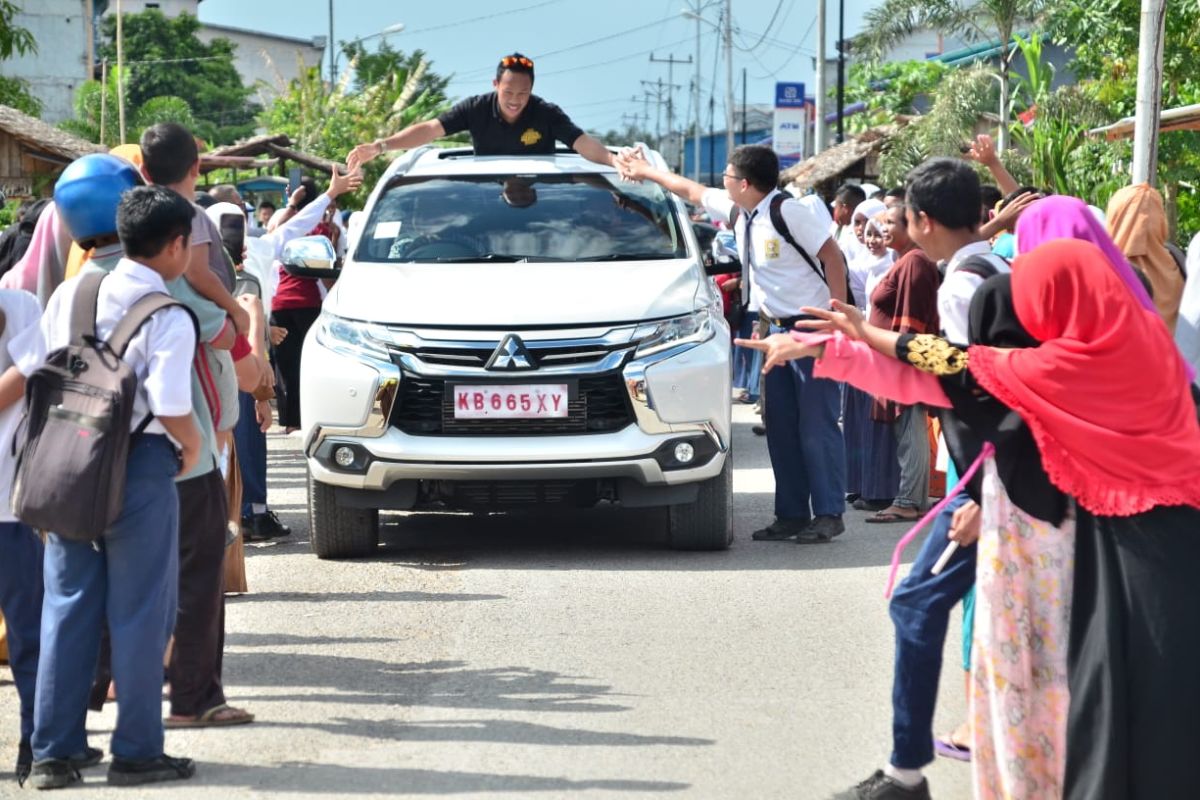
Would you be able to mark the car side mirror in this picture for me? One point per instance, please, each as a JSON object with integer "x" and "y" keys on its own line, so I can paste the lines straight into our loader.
{"x": 310, "y": 257}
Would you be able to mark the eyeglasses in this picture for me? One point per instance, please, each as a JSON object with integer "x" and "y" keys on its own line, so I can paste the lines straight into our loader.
{"x": 732, "y": 177}
{"x": 511, "y": 61}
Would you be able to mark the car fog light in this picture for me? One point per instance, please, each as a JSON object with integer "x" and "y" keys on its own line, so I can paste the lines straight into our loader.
{"x": 684, "y": 453}
{"x": 344, "y": 456}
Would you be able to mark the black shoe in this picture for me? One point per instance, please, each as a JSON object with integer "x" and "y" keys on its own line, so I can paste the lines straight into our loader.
{"x": 24, "y": 762}
{"x": 126, "y": 772}
{"x": 273, "y": 526}
{"x": 880, "y": 787}
{"x": 821, "y": 529}
{"x": 780, "y": 530}
{"x": 54, "y": 773}
{"x": 759, "y": 430}
{"x": 90, "y": 757}
{"x": 863, "y": 504}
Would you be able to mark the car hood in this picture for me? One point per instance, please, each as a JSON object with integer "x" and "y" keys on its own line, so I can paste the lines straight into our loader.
{"x": 504, "y": 295}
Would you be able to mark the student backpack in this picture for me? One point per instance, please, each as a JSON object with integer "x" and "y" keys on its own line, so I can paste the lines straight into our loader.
{"x": 74, "y": 441}
{"x": 781, "y": 228}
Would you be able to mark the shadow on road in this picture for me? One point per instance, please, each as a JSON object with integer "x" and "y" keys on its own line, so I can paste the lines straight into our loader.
{"x": 331, "y": 779}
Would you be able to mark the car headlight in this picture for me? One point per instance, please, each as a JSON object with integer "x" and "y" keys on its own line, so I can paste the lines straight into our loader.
{"x": 351, "y": 337}
{"x": 695, "y": 328}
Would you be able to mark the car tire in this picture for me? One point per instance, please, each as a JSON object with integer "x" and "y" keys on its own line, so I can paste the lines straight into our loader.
{"x": 339, "y": 532}
{"x": 707, "y": 523}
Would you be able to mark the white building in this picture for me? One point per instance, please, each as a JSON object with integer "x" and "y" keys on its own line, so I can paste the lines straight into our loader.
{"x": 62, "y": 61}
{"x": 65, "y": 35}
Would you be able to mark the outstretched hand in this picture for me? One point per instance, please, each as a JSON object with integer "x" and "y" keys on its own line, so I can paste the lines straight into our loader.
{"x": 843, "y": 317}
{"x": 780, "y": 348}
{"x": 982, "y": 150}
{"x": 631, "y": 163}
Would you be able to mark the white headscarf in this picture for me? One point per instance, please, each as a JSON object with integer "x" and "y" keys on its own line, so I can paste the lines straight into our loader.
{"x": 1187, "y": 328}
{"x": 864, "y": 266}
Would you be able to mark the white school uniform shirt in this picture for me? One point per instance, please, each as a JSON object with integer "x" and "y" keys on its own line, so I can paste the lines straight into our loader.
{"x": 21, "y": 312}
{"x": 957, "y": 289}
{"x": 160, "y": 354}
{"x": 785, "y": 279}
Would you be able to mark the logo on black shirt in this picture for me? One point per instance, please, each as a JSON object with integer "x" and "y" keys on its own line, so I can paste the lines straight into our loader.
{"x": 530, "y": 137}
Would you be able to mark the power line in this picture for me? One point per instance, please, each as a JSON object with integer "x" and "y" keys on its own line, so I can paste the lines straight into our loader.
{"x": 611, "y": 59}
{"x": 790, "y": 58}
{"x": 774, "y": 15}
{"x": 503, "y": 13}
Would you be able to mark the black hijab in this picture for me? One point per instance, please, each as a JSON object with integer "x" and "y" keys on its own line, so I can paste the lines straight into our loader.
{"x": 978, "y": 417}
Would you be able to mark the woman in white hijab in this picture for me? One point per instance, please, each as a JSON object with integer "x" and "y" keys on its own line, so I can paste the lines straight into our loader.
{"x": 866, "y": 262}
{"x": 1187, "y": 328}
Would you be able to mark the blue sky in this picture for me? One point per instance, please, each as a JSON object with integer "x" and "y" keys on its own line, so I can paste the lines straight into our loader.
{"x": 591, "y": 57}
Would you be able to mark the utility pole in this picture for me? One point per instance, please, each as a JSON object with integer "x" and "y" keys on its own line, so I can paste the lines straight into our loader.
{"x": 819, "y": 132}
{"x": 657, "y": 91}
{"x": 1149, "y": 92}
{"x": 712, "y": 143}
{"x": 696, "y": 104}
{"x": 671, "y": 61}
{"x": 743, "y": 105}
{"x": 841, "y": 78}
{"x": 332, "y": 51}
{"x": 728, "y": 77}
{"x": 120, "y": 75}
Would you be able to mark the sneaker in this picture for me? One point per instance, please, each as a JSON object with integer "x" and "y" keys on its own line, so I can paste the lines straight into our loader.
{"x": 821, "y": 529}
{"x": 759, "y": 430}
{"x": 253, "y": 529}
{"x": 126, "y": 772}
{"x": 54, "y": 773}
{"x": 273, "y": 526}
{"x": 90, "y": 757}
{"x": 780, "y": 530}
{"x": 881, "y": 787}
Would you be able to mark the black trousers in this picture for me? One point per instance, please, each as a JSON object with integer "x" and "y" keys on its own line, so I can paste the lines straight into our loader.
{"x": 194, "y": 670}
{"x": 296, "y": 321}
{"x": 1133, "y": 728}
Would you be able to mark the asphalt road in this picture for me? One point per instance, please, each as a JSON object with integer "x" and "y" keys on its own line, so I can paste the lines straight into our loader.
{"x": 552, "y": 655}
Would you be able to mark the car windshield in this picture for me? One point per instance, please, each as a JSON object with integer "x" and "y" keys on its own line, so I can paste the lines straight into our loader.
{"x": 505, "y": 218}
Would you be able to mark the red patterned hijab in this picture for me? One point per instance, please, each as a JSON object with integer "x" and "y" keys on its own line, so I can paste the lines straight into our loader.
{"x": 1106, "y": 393}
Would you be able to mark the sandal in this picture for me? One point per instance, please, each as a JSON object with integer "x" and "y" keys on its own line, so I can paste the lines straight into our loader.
{"x": 887, "y": 515}
{"x": 946, "y": 747}
{"x": 216, "y": 717}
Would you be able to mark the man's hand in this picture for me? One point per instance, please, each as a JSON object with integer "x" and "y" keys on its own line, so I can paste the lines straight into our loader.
{"x": 262, "y": 413}
{"x": 983, "y": 150}
{"x": 363, "y": 153}
{"x": 844, "y": 317}
{"x": 1006, "y": 218}
{"x": 631, "y": 163}
{"x": 278, "y": 334}
{"x": 340, "y": 184}
{"x": 965, "y": 524}
{"x": 779, "y": 348}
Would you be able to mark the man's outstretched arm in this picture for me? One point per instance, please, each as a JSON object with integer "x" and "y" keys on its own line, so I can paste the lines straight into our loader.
{"x": 593, "y": 150}
{"x": 413, "y": 136}
{"x": 635, "y": 167}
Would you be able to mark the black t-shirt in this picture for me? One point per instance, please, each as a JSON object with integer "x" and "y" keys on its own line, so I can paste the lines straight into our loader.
{"x": 540, "y": 125}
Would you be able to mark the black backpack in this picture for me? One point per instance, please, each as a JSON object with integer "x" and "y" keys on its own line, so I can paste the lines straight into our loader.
{"x": 74, "y": 441}
{"x": 781, "y": 228}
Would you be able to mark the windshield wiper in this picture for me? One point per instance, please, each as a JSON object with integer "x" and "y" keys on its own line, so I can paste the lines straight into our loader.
{"x": 489, "y": 257}
{"x": 630, "y": 257}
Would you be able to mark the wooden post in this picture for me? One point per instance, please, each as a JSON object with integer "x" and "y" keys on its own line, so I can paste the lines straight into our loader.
{"x": 1149, "y": 92}
{"x": 120, "y": 74}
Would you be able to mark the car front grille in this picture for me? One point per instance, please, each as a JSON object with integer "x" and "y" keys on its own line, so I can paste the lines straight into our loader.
{"x": 425, "y": 408}
{"x": 555, "y": 356}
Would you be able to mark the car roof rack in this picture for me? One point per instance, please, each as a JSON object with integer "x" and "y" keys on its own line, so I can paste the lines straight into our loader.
{"x": 469, "y": 152}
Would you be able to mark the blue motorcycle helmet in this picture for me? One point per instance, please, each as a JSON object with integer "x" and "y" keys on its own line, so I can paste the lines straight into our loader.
{"x": 88, "y": 192}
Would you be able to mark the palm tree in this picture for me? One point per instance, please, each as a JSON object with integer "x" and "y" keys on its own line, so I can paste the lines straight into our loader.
{"x": 976, "y": 20}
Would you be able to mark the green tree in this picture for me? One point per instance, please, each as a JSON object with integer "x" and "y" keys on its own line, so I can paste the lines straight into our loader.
{"x": 976, "y": 20}
{"x": 371, "y": 68}
{"x": 1104, "y": 35}
{"x": 15, "y": 40}
{"x": 96, "y": 117}
{"x": 889, "y": 89}
{"x": 330, "y": 121}
{"x": 165, "y": 57}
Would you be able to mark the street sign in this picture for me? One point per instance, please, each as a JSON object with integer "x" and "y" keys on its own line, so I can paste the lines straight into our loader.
{"x": 791, "y": 123}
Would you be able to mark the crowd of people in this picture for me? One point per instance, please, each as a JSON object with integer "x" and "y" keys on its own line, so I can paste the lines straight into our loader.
{"x": 1055, "y": 346}
{"x": 114, "y": 613}
{"x": 1043, "y": 350}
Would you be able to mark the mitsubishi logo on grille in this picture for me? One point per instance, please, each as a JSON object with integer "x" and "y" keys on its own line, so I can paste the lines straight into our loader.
{"x": 512, "y": 354}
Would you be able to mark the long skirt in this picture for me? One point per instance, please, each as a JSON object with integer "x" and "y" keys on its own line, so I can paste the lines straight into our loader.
{"x": 1133, "y": 728}
{"x": 1023, "y": 586}
{"x": 872, "y": 466}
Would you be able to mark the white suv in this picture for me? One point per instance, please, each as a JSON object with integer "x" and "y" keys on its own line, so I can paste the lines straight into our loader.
{"x": 515, "y": 331}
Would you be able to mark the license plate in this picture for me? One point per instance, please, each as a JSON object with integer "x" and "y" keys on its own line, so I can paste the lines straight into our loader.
{"x": 541, "y": 401}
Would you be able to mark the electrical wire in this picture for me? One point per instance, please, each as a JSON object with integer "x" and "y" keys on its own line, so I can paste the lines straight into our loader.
{"x": 503, "y": 13}
{"x": 774, "y": 16}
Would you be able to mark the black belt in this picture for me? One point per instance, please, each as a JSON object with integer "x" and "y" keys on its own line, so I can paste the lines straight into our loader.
{"x": 788, "y": 322}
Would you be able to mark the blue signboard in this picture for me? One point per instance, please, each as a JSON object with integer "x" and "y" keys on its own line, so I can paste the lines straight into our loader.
{"x": 789, "y": 95}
